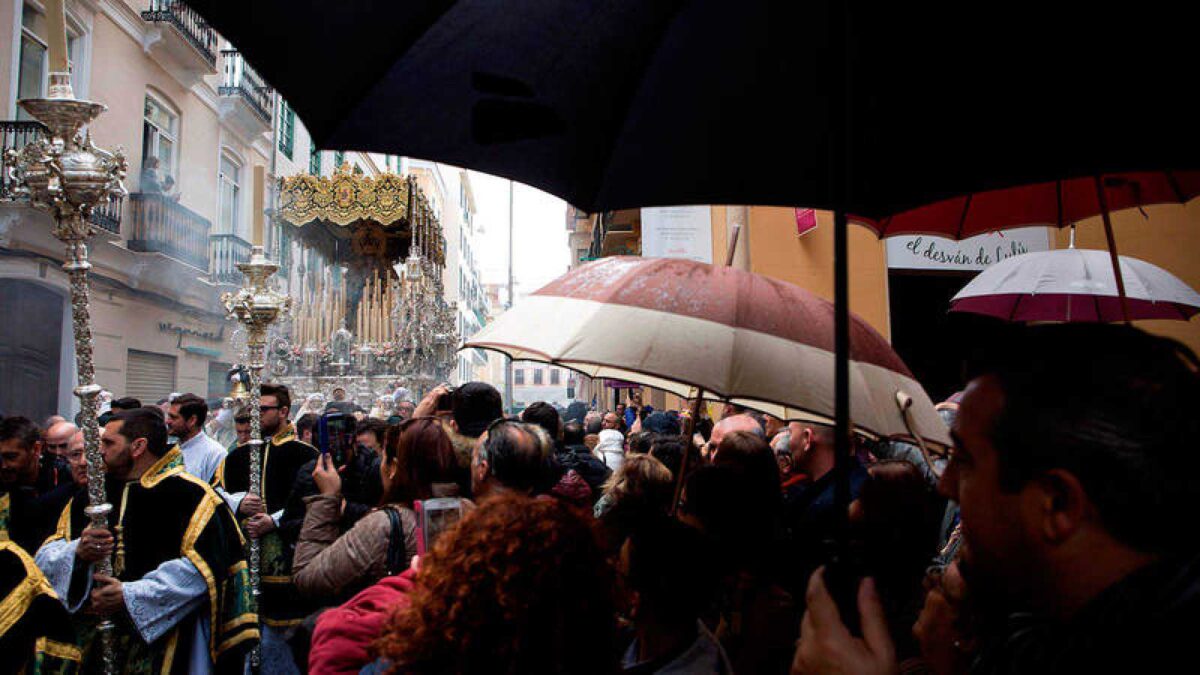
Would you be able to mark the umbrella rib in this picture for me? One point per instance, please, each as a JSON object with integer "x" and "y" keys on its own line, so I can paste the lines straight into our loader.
{"x": 962, "y": 219}
{"x": 1013, "y": 314}
{"x": 1174, "y": 183}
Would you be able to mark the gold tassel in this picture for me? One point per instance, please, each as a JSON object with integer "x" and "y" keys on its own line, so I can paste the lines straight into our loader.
{"x": 119, "y": 556}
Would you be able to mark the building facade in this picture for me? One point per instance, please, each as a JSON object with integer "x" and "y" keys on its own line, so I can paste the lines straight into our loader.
{"x": 453, "y": 200}
{"x": 202, "y": 133}
{"x": 533, "y": 382}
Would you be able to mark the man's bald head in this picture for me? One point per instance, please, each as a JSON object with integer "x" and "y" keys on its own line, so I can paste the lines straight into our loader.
{"x": 733, "y": 423}
{"x": 811, "y": 447}
{"x": 58, "y": 437}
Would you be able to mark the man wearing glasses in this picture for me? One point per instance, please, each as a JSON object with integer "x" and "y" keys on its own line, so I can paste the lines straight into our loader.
{"x": 262, "y": 517}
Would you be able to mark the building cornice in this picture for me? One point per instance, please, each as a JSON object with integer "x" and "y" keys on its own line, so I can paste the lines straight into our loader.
{"x": 125, "y": 17}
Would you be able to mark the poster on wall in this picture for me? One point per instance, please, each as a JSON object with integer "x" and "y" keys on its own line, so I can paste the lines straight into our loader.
{"x": 677, "y": 232}
{"x": 925, "y": 252}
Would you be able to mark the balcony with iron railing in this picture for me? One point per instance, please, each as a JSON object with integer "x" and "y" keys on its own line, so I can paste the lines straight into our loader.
{"x": 159, "y": 224}
{"x": 243, "y": 82}
{"x": 187, "y": 28}
{"x": 225, "y": 251}
{"x": 15, "y": 135}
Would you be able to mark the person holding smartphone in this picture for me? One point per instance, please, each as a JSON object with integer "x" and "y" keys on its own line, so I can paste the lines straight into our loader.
{"x": 418, "y": 464}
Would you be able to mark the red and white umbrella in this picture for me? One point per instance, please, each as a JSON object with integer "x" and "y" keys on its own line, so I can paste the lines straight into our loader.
{"x": 1075, "y": 285}
{"x": 680, "y": 326}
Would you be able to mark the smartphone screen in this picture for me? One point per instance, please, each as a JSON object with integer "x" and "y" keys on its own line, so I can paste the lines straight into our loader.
{"x": 335, "y": 436}
{"x": 434, "y": 517}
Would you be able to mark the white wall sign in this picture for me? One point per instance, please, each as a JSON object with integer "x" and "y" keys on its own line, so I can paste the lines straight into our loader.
{"x": 677, "y": 232}
{"x": 924, "y": 252}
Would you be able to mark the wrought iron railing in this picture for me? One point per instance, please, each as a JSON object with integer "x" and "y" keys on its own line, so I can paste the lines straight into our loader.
{"x": 225, "y": 251}
{"x": 159, "y": 224}
{"x": 190, "y": 24}
{"x": 107, "y": 216}
{"x": 242, "y": 80}
{"x": 15, "y": 135}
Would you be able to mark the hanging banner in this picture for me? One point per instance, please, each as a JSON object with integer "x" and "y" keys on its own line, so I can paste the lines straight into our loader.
{"x": 925, "y": 252}
{"x": 677, "y": 232}
{"x": 806, "y": 221}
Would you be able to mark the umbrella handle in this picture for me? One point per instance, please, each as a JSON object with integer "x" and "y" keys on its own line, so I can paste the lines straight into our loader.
{"x": 905, "y": 403}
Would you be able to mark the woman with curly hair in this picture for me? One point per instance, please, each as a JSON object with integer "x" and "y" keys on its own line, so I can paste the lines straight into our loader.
{"x": 520, "y": 585}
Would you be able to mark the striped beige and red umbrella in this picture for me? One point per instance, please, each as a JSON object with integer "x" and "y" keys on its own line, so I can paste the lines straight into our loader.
{"x": 680, "y": 326}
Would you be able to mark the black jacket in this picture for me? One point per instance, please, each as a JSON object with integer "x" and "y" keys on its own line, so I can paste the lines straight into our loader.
{"x": 589, "y": 467}
{"x": 1144, "y": 623}
{"x": 362, "y": 487}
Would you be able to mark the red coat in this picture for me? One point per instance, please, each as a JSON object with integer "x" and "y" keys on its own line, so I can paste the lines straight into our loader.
{"x": 342, "y": 640}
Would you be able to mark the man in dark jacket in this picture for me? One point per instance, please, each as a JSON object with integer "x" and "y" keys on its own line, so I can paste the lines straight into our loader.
{"x": 30, "y": 501}
{"x": 1077, "y": 478}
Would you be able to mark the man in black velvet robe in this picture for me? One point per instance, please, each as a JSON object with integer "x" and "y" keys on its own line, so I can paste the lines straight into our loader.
{"x": 263, "y": 517}
{"x": 179, "y": 595}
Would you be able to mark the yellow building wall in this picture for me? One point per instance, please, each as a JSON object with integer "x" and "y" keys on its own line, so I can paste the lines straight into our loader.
{"x": 1167, "y": 236}
{"x": 807, "y": 260}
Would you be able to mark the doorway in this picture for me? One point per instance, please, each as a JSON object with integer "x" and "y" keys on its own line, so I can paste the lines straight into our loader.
{"x": 931, "y": 341}
{"x": 30, "y": 349}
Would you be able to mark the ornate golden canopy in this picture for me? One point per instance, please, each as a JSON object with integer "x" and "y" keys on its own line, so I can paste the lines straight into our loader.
{"x": 346, "y": 198}
{"x": 377, "y": 213}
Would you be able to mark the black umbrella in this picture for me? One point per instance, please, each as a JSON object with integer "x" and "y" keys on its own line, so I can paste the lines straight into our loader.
{"x": 624, "y": 103}
{"x": 865, "y": 108}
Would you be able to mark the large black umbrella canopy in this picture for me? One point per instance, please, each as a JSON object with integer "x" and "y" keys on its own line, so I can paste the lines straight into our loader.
{"x": 864, "y": 108}
{"x": 623, "y": 103}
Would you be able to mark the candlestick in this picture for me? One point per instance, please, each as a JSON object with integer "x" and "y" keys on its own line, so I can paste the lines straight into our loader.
{"x": 56, "y": 20}
{"x": 256, "y": 306}
{"x": 260, "y": 181}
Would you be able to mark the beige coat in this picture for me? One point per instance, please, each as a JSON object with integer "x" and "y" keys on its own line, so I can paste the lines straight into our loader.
{"x": 326, "y": 565}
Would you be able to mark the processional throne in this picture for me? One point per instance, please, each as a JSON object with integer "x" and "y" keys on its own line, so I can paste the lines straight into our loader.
{"x": 370, "y": 313}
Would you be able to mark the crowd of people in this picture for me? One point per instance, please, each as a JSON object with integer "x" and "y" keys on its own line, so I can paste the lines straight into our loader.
{"x": 451, "y": 538}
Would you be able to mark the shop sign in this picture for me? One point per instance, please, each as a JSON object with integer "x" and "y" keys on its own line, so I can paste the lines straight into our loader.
{"x": 211, "y": 336}
{"x": 677, "y": 232}
{"x": 925, "y": 252}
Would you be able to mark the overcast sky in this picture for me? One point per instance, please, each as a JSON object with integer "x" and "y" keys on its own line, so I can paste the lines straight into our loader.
{"x": 540, "y": 236}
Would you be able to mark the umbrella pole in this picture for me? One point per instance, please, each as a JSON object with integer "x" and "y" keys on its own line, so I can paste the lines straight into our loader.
{"x": 733, "y": 242}
{"x": 1112, "y": 248}
{"x": 690, "y": 427}
{"x": 689, "y": 431}
{"x": 841, "y": 373}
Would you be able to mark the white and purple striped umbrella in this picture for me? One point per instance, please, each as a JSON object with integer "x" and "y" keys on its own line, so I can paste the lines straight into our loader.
{"x": 1075, "y": 285}
{"x": 680, "y": 326}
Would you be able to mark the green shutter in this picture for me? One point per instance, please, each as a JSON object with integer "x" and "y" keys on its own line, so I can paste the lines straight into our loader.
{"x": 314, "y": 160}
{"x": 287, "y": 129}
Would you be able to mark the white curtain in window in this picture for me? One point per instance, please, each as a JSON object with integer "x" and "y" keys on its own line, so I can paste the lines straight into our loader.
{"x": 230, "y": 195}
